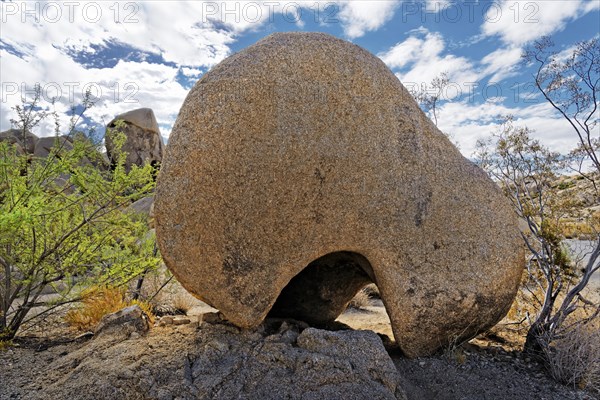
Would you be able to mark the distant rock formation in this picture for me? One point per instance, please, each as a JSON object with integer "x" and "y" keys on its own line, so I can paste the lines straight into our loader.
{"x": 144, "y": 142}
{"x": 300, "y": 169}
{"x": 44, "y": 145}
{"x": 25, "y": 141}
{"x": 39, "y": 148}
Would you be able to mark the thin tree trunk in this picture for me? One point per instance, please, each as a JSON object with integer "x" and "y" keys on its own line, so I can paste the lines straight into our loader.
{"x": 138, "y": 286}
{"x": 6, "y": 297}
{"x": 535, "y": 341}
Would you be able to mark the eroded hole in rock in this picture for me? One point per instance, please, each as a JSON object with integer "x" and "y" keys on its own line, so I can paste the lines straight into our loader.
{"x": 322, "y": 290}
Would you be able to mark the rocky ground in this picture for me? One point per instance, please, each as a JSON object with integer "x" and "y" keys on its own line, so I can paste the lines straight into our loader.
{"x": 212, "y": 359}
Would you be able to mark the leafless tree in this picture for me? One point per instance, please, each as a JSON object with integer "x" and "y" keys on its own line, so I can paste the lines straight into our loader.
{"x": 570, "y": 82}
{"x": 430, "y": 95}
{"x": 527, "y": 172}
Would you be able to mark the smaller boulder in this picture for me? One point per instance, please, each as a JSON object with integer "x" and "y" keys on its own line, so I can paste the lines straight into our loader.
{"x": 364, "y": 349}
{"x": 144, "y": 142}
{"x": 143, "y": 206}
{"x": 44, "y": 145}
{"x": 123, "y": 322}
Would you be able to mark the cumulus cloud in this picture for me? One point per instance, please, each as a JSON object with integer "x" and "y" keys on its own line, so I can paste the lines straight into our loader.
{"x": 422, "y": 57}
{"x": 181, "y": 34}
{"x": 518, "y": 22}
{"x": 437, "y": 5}
{"x": 41, "y": 43}
{"x": 46, "y": 41}
{"x": 468, "y": 122}
{"x": 359, "y": 17}
{"x": 502, "y": 63}
{"x": 125, "y": 86}
{"x": 477, "y": 106}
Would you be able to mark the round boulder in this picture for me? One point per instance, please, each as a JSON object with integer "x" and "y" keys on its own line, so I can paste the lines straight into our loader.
{"x": 300, "y": 169}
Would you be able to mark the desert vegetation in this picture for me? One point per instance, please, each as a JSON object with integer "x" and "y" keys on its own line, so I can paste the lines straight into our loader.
{"x": 63, "y": 224}
{"x": 562, "y": 326}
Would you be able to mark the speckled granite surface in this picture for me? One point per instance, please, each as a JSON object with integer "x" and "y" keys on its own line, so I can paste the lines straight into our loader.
{"x": 304, "y": 146}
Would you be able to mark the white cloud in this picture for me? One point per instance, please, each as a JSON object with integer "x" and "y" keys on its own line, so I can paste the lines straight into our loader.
{"x": 359, "y": 17}
{"x": 437, "y": 5}
{"x": 423, "y": 53}
{"x": 403, "y": 53}
{"x": 191, "y": 72}
{"x": 179, "y": 34}
{"x": 518, "y": 22}
{"x": 468, "y": 122}
{"x": 502, "y": 63}
{"x": 591, "y": 6}
{"x": 126, "y": 86}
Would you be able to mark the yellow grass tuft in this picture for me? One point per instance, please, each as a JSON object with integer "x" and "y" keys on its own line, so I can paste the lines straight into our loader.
{"x": 98, "y": 302}
{"x": 5, "y": 344}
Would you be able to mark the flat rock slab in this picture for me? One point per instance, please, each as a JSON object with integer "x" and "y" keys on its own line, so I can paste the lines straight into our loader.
{"x": 300, "y": 169}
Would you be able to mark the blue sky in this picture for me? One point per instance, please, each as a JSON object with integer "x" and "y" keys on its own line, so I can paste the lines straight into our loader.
{"x": 149, "y": 54}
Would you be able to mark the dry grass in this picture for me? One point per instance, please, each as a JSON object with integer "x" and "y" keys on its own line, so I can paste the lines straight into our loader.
{"x": 98, "y": 302}
{"x": 183, "y": 301}
{"x": 5, "y": 344}
{"x": 574, "y": 358}
{"x": 456, "y": 354}
{"x": 360, "y": 301}
{"x": 146, "y": 308}
{"x": 577, "y": 229}
{"x": 372, "y": 290}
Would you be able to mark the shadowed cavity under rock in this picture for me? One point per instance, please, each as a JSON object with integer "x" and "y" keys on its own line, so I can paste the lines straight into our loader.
{"x": 322, "y": 291}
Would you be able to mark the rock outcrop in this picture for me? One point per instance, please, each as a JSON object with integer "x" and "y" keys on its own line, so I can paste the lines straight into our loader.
{"x": 143, "y": 206}
{"x": 25, "y": 142}
{"x": 40, "y": 147}
{"x": 44, "y": 145}
{"x": 300, "y": 169}
{"x": 144, "y": 143}
{"x": 278, "y": 360}
{"x": 124, "y": 322}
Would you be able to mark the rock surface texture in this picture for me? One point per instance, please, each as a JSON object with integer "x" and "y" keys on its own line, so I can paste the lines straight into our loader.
{"x": 124, "y": 322}
{"x": 44, "y": 145}
{"x": 144, "y": 142}
{"x": 300, "y": 169}
{"x": 277, "y": 360}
